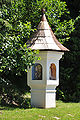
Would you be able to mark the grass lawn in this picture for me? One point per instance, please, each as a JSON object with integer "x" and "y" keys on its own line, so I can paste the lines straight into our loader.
{"x": 63, "y": 111}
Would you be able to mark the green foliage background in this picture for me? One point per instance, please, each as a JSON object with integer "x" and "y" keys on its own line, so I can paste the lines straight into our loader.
{"x": 69, "y": 88}
{"x": 18, "y": 20}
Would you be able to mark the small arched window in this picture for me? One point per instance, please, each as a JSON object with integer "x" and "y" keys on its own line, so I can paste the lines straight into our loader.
{"x": 52, "y": 72}
{"x": 37, "y": 72}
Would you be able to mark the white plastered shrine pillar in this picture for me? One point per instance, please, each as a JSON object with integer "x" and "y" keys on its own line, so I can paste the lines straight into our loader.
{"x": 43, "y": 78}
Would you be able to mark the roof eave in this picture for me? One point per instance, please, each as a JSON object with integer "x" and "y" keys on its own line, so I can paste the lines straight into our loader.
{"x": 52, "y": 50}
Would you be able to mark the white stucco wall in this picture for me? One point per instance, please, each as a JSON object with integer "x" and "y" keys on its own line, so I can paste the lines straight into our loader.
{"x": 43, "y": 93}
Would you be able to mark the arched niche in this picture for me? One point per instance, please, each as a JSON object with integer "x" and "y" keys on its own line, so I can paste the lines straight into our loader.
{"x": 52, "y": 72}
{"x": 37, "y": 72}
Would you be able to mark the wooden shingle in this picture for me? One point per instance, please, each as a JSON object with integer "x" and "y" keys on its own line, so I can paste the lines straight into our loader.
{"x": 44, "y": 38}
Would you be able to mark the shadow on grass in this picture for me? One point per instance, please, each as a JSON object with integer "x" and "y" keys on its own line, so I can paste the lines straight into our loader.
{"x": 23, "y": 105}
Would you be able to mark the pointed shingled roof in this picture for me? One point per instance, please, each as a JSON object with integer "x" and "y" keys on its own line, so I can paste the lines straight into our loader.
{"x": 44, "y": 38}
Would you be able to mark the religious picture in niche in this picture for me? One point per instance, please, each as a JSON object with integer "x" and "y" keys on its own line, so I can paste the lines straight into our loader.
{"x": 37, "y": 72}
{"x": 52, "y": 72}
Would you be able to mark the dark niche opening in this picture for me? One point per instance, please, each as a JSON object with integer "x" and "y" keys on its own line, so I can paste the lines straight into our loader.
{"x": 52, "y": 72}
{"x": 37, "y": 72}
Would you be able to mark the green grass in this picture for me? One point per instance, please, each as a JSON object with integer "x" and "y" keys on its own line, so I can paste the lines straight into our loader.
{"x": 63, "y": 111}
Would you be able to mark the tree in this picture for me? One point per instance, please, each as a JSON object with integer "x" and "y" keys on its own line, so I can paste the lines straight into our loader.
{"x": 18, "y": 20}
{"x": 74, "y": 7}
{"x": 15, "y": 57}
{"x": 57, "y": 14}
{"x": 14, "y": 33}
{"x": 69, "y": 88}
{"x": 66, "y": 26}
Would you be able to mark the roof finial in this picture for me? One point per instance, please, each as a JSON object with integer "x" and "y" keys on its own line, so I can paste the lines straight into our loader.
{"x": 43, "y": 15}
{"x": 43, "y": 11}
